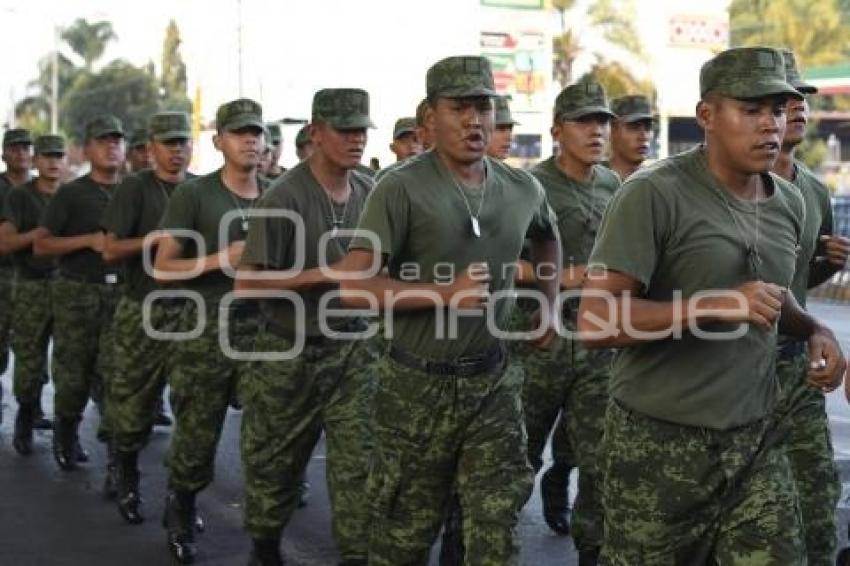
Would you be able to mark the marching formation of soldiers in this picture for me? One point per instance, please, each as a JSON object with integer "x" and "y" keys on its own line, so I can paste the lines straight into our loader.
{"x": 665, "y": 345}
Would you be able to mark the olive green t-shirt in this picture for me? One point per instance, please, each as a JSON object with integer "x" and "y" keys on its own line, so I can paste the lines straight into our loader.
{"x": 134, "y": 211}
{"x": 5, "y": 188}
{"x": 578, "y": 206}
{"x": 365, "y": 170}
{"x": 818, "y": 223}
{"x": 199, "y": 205}
{"x": 271, "y": 241}
{"x": 24, "y": 208}
{"x": 670, "y": 228}
{"x": 423, "y": 227}
{"x": 75, "y": 210}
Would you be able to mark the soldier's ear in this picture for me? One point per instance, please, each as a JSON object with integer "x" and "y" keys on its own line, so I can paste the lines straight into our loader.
{"x": 705, "y": 114}
{"x": 216, "y": 139}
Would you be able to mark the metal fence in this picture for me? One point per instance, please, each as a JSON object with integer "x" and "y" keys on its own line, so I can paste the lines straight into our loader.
{"x": 837, "y": 289}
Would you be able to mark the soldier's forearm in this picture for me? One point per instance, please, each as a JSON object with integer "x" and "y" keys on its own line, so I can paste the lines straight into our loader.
{"x": 61, "y": 245}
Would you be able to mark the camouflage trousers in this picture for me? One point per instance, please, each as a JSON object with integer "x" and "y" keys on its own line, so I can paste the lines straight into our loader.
{"x": 7, "y": 286}
{"x": 203, "y": 380}
{"x": 32, "y": 327}
{"x": 563, "y": 454}
{"x": 801, "y": 412}
{"x": 436, "y": 435}
{"x": 572, "y": 381}
{"x": 679, "y": 495}
{"x": 141, "y": 365}
{"x": 82, "y": 347}
{"x": 285, "y": 405}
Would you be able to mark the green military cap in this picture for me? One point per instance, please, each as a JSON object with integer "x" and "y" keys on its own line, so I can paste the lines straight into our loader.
{"x": 745, "y": 72}
{"x": 49, "y": 145}
{"x": 17, "y": 135}
{"x": 302, "y": 138}
{"x": 582, "y": 99}
{"x": 503, "y": 112}
{"x": 238, "y": 114}
{"x": 104, "y": 125}
{"x": 792, "y": 73}
{"x": 275, "y": 133}
{"x": 632, "y": 108}
{"x": 138, "y": 137}
{"x": 342, "y": 108}
{"x": 404, "y": 126}
{"x": 164, "y": 126}
{"x": 459, "y": 77}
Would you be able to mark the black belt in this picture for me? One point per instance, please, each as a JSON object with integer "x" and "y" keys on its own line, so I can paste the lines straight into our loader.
{"x": 96, "y": 279}
{"x": 462, "y": 367}
{"x": 788, "y": 350}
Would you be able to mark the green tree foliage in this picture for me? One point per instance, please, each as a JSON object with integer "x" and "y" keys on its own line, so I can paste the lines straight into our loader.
{"x": 173, "y": 79}
{"x": 120, "y": 88}
{"x": 617, "y": 80}
{"x": 88, "y": 40}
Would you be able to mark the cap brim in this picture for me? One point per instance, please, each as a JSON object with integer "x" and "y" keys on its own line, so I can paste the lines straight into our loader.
{"x": 353, "y": 123}
{"x": 105, "y": 133}
{"x": 508, "y": 123}
{"x": 632, "y": 118}
{"x": 51, "y": 153}
{"x": 805, "y": 88}
{"x": 173, "y": 135}
{"x": 586, "y": 111}
{"x": 403, "y": 132}
{"x": 759, "y": 89}
{"x": 17, "y": 142}
{"x": 468, "y": 92}
{"x": 246, "y": 121}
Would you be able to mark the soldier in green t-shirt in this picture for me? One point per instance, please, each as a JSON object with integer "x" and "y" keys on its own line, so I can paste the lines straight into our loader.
{"x": 569, "y": 379}
{"x": 17, "y": 155}
{"x": 275, "y": 145}
{"x": 33, "y": 314}
{"x": 500, "y": 144}
{"x": 141, "y": 361}
{"x": 424, "y": 136}
{"x": 206, "y": 221}
{"x": 689, "y": 277}
{"x": 405, "y": 143}
{"x": 631, "y": 133}
{"x": 447, "y": 416}
{"x": 138, "y": 155}
{"x": 303, "y": 143}
{"x": 802, "y": 408}
{"x": 329, "y": 384}
{"x": 85, "y": 292}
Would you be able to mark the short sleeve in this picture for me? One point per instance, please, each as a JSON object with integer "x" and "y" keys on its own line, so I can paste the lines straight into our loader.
{"x": 386, "y": 216}
{"x": 633, "y": 231}
{"x": 121, "y": 214}
{"x": 13, "y": 208}
{"x": 269, "y": 237}
{"x": 57, "y": 212}
{"x": 544, "y": 223}
{"x": 181, "y": 210}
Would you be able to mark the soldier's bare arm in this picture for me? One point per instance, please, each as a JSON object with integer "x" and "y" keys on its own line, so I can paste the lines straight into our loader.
{"x": 46, "y": 244}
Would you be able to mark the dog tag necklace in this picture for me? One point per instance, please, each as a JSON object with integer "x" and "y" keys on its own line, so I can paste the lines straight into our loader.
{"x": 336, "y": 223}
{"x": 474, "y": 219}
{"x": 241, "y": 210}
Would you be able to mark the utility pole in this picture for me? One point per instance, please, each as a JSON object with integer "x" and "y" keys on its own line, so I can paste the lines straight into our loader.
{"x": 54, "y": 83}
{"x": 239, "y": 41}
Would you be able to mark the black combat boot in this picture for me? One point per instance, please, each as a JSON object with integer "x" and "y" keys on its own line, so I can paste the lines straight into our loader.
{"x": 22, "y": 439}
{"x": 266, "y": 552}
{"x": 129, "y": 498}
{"x": 110, "y": 481}
{"x": 554, "y": 489}
{"x": 451, "y": 547}
{"x": 588, "y": 556}
{"x": 179, "y": 522}
{"x": 39, "y": 421}
{"x": 65, "y": 442}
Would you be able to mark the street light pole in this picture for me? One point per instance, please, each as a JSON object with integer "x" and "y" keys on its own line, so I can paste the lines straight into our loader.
{"x": 54, "y": 83}
{"x": 239, "y": 39}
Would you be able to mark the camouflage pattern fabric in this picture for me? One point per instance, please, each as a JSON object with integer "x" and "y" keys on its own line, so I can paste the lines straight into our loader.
{"x": 82, "y": 314}
{"x": 202, "y": 382}
{"x": 562, "y": 450}
{"x": 684, "y": 495}
{"x": 32, "y": 327}
{"x": 285, "y": 406}
{"x": 746, "y": 72}
{"x": 581, "y": 99}
{"x": 801, "y": 411}
{"x": 438, "y": 434}
{"x": 141, "y": 365}
{"x": 459, "y": 77}
{"x": 7, "y": 284}
{"x": 342, "y": 108}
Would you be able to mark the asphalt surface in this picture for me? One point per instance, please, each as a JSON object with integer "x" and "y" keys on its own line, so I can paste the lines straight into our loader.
{"x": 54, "y": 518}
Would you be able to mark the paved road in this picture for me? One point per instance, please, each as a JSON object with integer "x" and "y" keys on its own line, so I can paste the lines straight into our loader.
{"x": 51, "y": 518}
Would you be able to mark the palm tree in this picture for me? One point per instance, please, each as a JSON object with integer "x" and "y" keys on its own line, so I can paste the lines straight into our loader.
{"x": 89, "y": 40}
